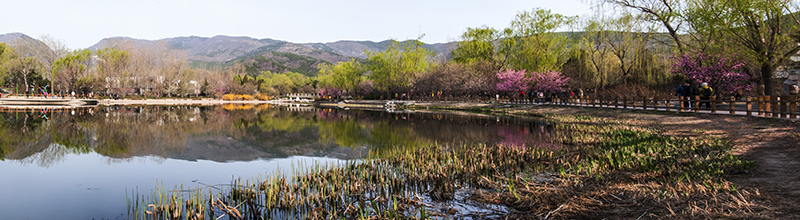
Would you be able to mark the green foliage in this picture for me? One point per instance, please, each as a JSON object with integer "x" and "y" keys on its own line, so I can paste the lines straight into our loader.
{"x": 532, "y": 44}
{"x": 5, "y": 55}
{"x": 344, "y": 75}
{"x": 71, "y": 69}
{"x": 396, "y": 68}
{"x": 283, "y": 83}
{"x": 477, "y": 44}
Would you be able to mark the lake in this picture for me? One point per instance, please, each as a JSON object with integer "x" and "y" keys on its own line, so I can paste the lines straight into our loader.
{"x": 83, "y": 163}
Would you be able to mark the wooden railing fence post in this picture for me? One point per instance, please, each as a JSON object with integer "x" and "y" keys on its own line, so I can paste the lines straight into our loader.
{"x": 644, "y": 102}
{"x": 748, "y": 105}
{"x": 625, "y": 102}
{"x": 767, "y": 106}
{"x": 782, "y": 106}
{"x": 668, "y": 103}
{"x": 713, "y": 104}
{"x": 733, "y": 105}
{"x": 793, "y": 107}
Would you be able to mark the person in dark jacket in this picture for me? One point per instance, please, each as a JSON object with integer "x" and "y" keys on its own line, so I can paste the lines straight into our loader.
{"x": 685, "y": 93}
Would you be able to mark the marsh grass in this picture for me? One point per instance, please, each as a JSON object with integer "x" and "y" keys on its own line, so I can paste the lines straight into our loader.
{"x": 599, "y": 166}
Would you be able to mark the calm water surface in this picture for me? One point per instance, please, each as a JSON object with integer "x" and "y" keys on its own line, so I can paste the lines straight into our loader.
{"x": 82, "y": 163}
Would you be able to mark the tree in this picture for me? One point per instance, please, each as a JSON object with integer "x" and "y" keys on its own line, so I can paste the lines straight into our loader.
{"x": 5, "y": 55}
{"x": 477, "y": 44}
{"x": 511, "y": 81}
{"x": 766, "y": 29}
{"x": 626, "y": 39}
{"x": 72, "y": 70}
{"x": 47, "y": 49}
{"x": 22, "y": 69}
{"x": 396, "y": 68}
{"x": 344, "y": 75}
{"x": 532, "y": 43}
{"x": 723, "y": 72}
{"x": 551, "y": 81}
{"x": 593, "y": 53}
{"x": 112, "y": 68}
{"x": 668, "y": 13}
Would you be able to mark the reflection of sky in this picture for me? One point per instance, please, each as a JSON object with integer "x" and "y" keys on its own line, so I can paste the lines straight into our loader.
{"x": 88, "y": 186}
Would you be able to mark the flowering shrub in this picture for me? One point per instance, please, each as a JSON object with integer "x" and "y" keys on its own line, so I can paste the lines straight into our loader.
{"x": 724, "y": 73}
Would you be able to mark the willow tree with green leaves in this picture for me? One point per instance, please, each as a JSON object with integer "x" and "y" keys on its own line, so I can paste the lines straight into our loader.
{"x": 344, "y": 75}
{"x": 532, "y": 43}
{"x": 477, "y": 45}
{"x": 71, "y": 72}
{"x": 112, "y": 68}
{"x": 668, "y": 14}
{"x": 396, "y": 68}
{"x": 593, "y": 64}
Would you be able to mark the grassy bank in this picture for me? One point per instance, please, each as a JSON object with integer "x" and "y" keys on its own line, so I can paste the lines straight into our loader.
{"x": 590, "y": 167}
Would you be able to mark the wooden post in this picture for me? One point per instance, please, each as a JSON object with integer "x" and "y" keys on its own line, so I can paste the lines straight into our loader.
{"x": 775, "y": 106}
{"x": 695, "y": 102}
{"x": 713, "y": 104}
{"x": 767, "y": 106}
{"x": 733, "y": 105}
{"x": 644, "y": 103}
{"x": 616, "y": 101}
{"x": 625, "y": 102}
{"x": 748, "y": 105}
{"x": 793, "y": 107}
{"x": 782, "y": 106}
{"x": 668, "y": 103}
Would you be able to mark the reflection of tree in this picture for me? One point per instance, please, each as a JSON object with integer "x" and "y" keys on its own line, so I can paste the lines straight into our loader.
{"x": 51, "y": 155}
{"x": 23, "y": 134}
{"x": 245, "y": 133}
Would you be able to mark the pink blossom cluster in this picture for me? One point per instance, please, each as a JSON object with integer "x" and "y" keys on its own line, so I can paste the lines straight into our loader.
{"x": 724, "y": 73}
{"x": 518, "y": 80}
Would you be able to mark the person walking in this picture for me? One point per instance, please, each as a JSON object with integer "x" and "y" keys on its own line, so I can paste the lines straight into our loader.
{"x": 705, "y": 95}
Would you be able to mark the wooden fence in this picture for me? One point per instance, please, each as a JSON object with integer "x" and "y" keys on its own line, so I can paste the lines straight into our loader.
{"x": 764, "y": 106}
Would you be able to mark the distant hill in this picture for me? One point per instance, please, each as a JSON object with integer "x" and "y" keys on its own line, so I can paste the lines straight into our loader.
{"x": 357, "y": 48}
{"x": 269, "y": 54}
{"x": 260, "y": 54}
{"x": 6, "y": 38}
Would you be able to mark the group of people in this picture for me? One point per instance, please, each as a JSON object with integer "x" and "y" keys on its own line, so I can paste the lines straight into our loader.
{"x": 547, "y": 96}
{"x": 687, "y": 92}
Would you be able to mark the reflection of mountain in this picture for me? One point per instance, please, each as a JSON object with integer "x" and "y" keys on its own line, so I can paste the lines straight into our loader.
{"x": 224, "y": 149}
{"x": 246, "y": 133}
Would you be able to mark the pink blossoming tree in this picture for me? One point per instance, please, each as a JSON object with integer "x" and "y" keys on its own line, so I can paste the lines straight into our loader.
{"x": 722, "y": 72}
{"x": 510, "y": 81}
{"x": 551, "y": 81}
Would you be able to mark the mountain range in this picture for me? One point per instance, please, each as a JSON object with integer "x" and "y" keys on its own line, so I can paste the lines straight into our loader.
{"x": 262, "y": 54}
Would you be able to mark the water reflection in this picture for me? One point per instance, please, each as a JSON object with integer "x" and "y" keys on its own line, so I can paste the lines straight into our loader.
{"x": 91, "y": 156}
{"x": 245, "y": 132}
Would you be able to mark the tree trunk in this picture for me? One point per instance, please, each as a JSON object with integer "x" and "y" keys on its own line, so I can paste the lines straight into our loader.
{"x": 767, "y": 71}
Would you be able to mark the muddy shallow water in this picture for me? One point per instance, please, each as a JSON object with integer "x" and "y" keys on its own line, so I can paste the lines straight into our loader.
{"x": 82, "y": 163}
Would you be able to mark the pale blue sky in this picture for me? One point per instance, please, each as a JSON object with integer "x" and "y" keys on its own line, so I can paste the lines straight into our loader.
{"x": 83, "y": 23}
